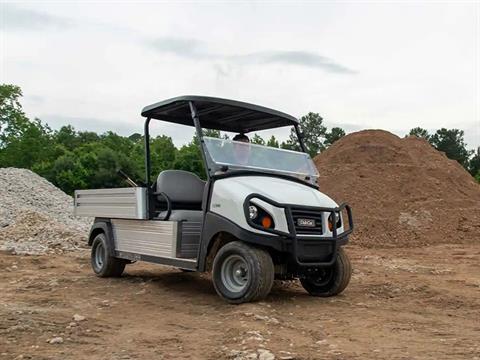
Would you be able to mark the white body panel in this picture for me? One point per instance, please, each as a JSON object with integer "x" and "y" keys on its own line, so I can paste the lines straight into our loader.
{"x": 229, "y": 194}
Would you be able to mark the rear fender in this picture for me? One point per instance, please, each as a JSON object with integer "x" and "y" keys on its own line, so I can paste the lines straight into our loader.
{"x": 103, "y": 226}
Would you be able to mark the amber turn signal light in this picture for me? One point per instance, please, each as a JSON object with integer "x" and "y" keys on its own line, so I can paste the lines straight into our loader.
{"x": 267, "y": 222}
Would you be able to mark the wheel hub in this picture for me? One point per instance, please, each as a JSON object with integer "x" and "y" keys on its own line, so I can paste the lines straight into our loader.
{"x": 234, "y": 273}
{"x": 99, "y": 256}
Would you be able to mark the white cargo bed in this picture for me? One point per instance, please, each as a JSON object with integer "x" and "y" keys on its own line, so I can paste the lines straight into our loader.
{"x": 121, "y": 203}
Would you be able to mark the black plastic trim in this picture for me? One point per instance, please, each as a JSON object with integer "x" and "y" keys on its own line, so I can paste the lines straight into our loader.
{"x": 176, "y": 110}
{"x": 169, "y": 204}
{"x": 215, "y": 223}
{"x": 105, "y": 226}
{"x": 292, "y": 234}
{"x": 183, "y": 264}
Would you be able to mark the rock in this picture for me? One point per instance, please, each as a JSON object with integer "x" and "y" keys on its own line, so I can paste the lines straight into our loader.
{"x": 267, "y": 319}
{"x": 264, "y": 354}
{"x": 78, "y": 317}
{"x": 56, "y": 340}
{"x": 8, "y": 251}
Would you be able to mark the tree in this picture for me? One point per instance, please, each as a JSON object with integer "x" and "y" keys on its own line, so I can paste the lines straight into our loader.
{"x": 67, "y": 136}
{"x": 272, "y": 142}
{"x": 136, "y": 137}
{"x": 68, "y": 173}
{"x": 162, "y": 153}
{"x": 290, "y": 144}
{"x": 12, "y": 118}
{"x": 333, "y": 135}
{"x": 313, "y": 130}
{"x": 419, "y": 132}
{"x": 189, "y": 158}
{"x": 25, "y": 143}
{"x": 87, "y": 137}
{"x": 451, "y": 142}
{"x": 257, "y": 139}
{"x": 211, "y": 133}
{"x": 474, "y": 164}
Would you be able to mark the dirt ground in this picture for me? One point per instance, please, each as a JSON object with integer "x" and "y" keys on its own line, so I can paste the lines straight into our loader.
{"x": 401, "y": 304}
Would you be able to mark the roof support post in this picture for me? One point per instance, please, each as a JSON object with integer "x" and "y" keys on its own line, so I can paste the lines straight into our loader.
{"x": 198, "y": 128}
{"x": 147, "y": 151}
{"x": 300, "y": 138}
{"x": 149, "y": 204}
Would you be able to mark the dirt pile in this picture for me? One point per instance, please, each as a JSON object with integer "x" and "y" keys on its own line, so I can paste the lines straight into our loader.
{"x": 35, "y": 216}
{"x": 403, "y": 192}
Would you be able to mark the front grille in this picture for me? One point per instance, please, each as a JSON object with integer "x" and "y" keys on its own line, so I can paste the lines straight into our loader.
{"x": 316, "y": 216}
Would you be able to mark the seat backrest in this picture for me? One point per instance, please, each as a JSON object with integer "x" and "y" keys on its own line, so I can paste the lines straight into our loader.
{"x": 182, "y": 187}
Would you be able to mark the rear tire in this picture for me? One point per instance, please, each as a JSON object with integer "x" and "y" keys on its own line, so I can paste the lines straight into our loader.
{"x": 329, "y": 281}
{"x": 103, "y": 264}
{"x": 242, "y": 273}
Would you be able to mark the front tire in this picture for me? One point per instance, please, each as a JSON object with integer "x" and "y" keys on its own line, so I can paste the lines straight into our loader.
{"x": 329, "y": 281}
{"x": 103, "y": 264}
{"x": 242, "y": 273}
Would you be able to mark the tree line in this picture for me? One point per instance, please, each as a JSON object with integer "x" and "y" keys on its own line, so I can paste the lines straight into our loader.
{"x": 73, "y": 159}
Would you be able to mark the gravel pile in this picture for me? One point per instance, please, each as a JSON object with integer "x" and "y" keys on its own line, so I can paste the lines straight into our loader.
{"x": 36, "y": 217}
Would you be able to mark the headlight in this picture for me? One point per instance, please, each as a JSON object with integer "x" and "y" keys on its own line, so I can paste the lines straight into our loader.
{"x": 260, "y": 217}
{"x": 252, "y": 212}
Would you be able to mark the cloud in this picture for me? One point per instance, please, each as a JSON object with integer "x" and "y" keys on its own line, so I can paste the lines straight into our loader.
{"x": 183, "y": 47}
{"x": 194, "y": 49}
{"x": 301, "y": 58}
{"x": 16, "y": 18}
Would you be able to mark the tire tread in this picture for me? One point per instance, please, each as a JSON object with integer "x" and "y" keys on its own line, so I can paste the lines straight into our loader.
{"x": 262, "y": 268}
{"x": 341, "y": 279}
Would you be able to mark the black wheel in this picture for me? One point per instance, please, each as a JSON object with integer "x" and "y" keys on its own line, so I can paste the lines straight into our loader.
{"x": 242, "y": 273}
{"x": 103, "y": 264}
{"x": 330, "y": 281}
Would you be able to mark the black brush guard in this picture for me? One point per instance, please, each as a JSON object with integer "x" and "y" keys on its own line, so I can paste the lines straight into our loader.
{"x": 295, "y": 237}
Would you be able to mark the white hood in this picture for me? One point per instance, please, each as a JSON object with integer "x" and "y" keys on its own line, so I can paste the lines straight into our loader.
{"x": 279, "y": 190}
{"x": 229, "y": 195}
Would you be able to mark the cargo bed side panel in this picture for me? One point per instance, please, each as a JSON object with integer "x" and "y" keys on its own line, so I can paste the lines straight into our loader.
{"x": 153, "y": 238}
{"x": 124, "y": 203}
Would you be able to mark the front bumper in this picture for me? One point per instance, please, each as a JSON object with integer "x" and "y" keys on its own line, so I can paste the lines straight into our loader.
{"x": 308, "y": 250}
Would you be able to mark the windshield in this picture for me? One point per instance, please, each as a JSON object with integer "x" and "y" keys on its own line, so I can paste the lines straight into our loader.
{"x": 234, "y": 155}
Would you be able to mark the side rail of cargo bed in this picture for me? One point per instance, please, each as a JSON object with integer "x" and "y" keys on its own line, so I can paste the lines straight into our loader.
{"x": 122, "y": 203}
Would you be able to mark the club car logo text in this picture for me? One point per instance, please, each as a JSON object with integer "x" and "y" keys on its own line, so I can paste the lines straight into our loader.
{"x": 306, "y": 222}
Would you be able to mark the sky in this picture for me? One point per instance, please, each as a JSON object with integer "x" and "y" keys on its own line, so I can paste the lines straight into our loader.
{"x": 361, "y": 65}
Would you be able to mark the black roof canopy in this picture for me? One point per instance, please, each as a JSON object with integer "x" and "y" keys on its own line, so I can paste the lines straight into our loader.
{"x": 218, "y": 114}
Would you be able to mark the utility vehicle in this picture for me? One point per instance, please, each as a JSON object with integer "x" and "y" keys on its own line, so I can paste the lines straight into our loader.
{"x": 259, "y": 216}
